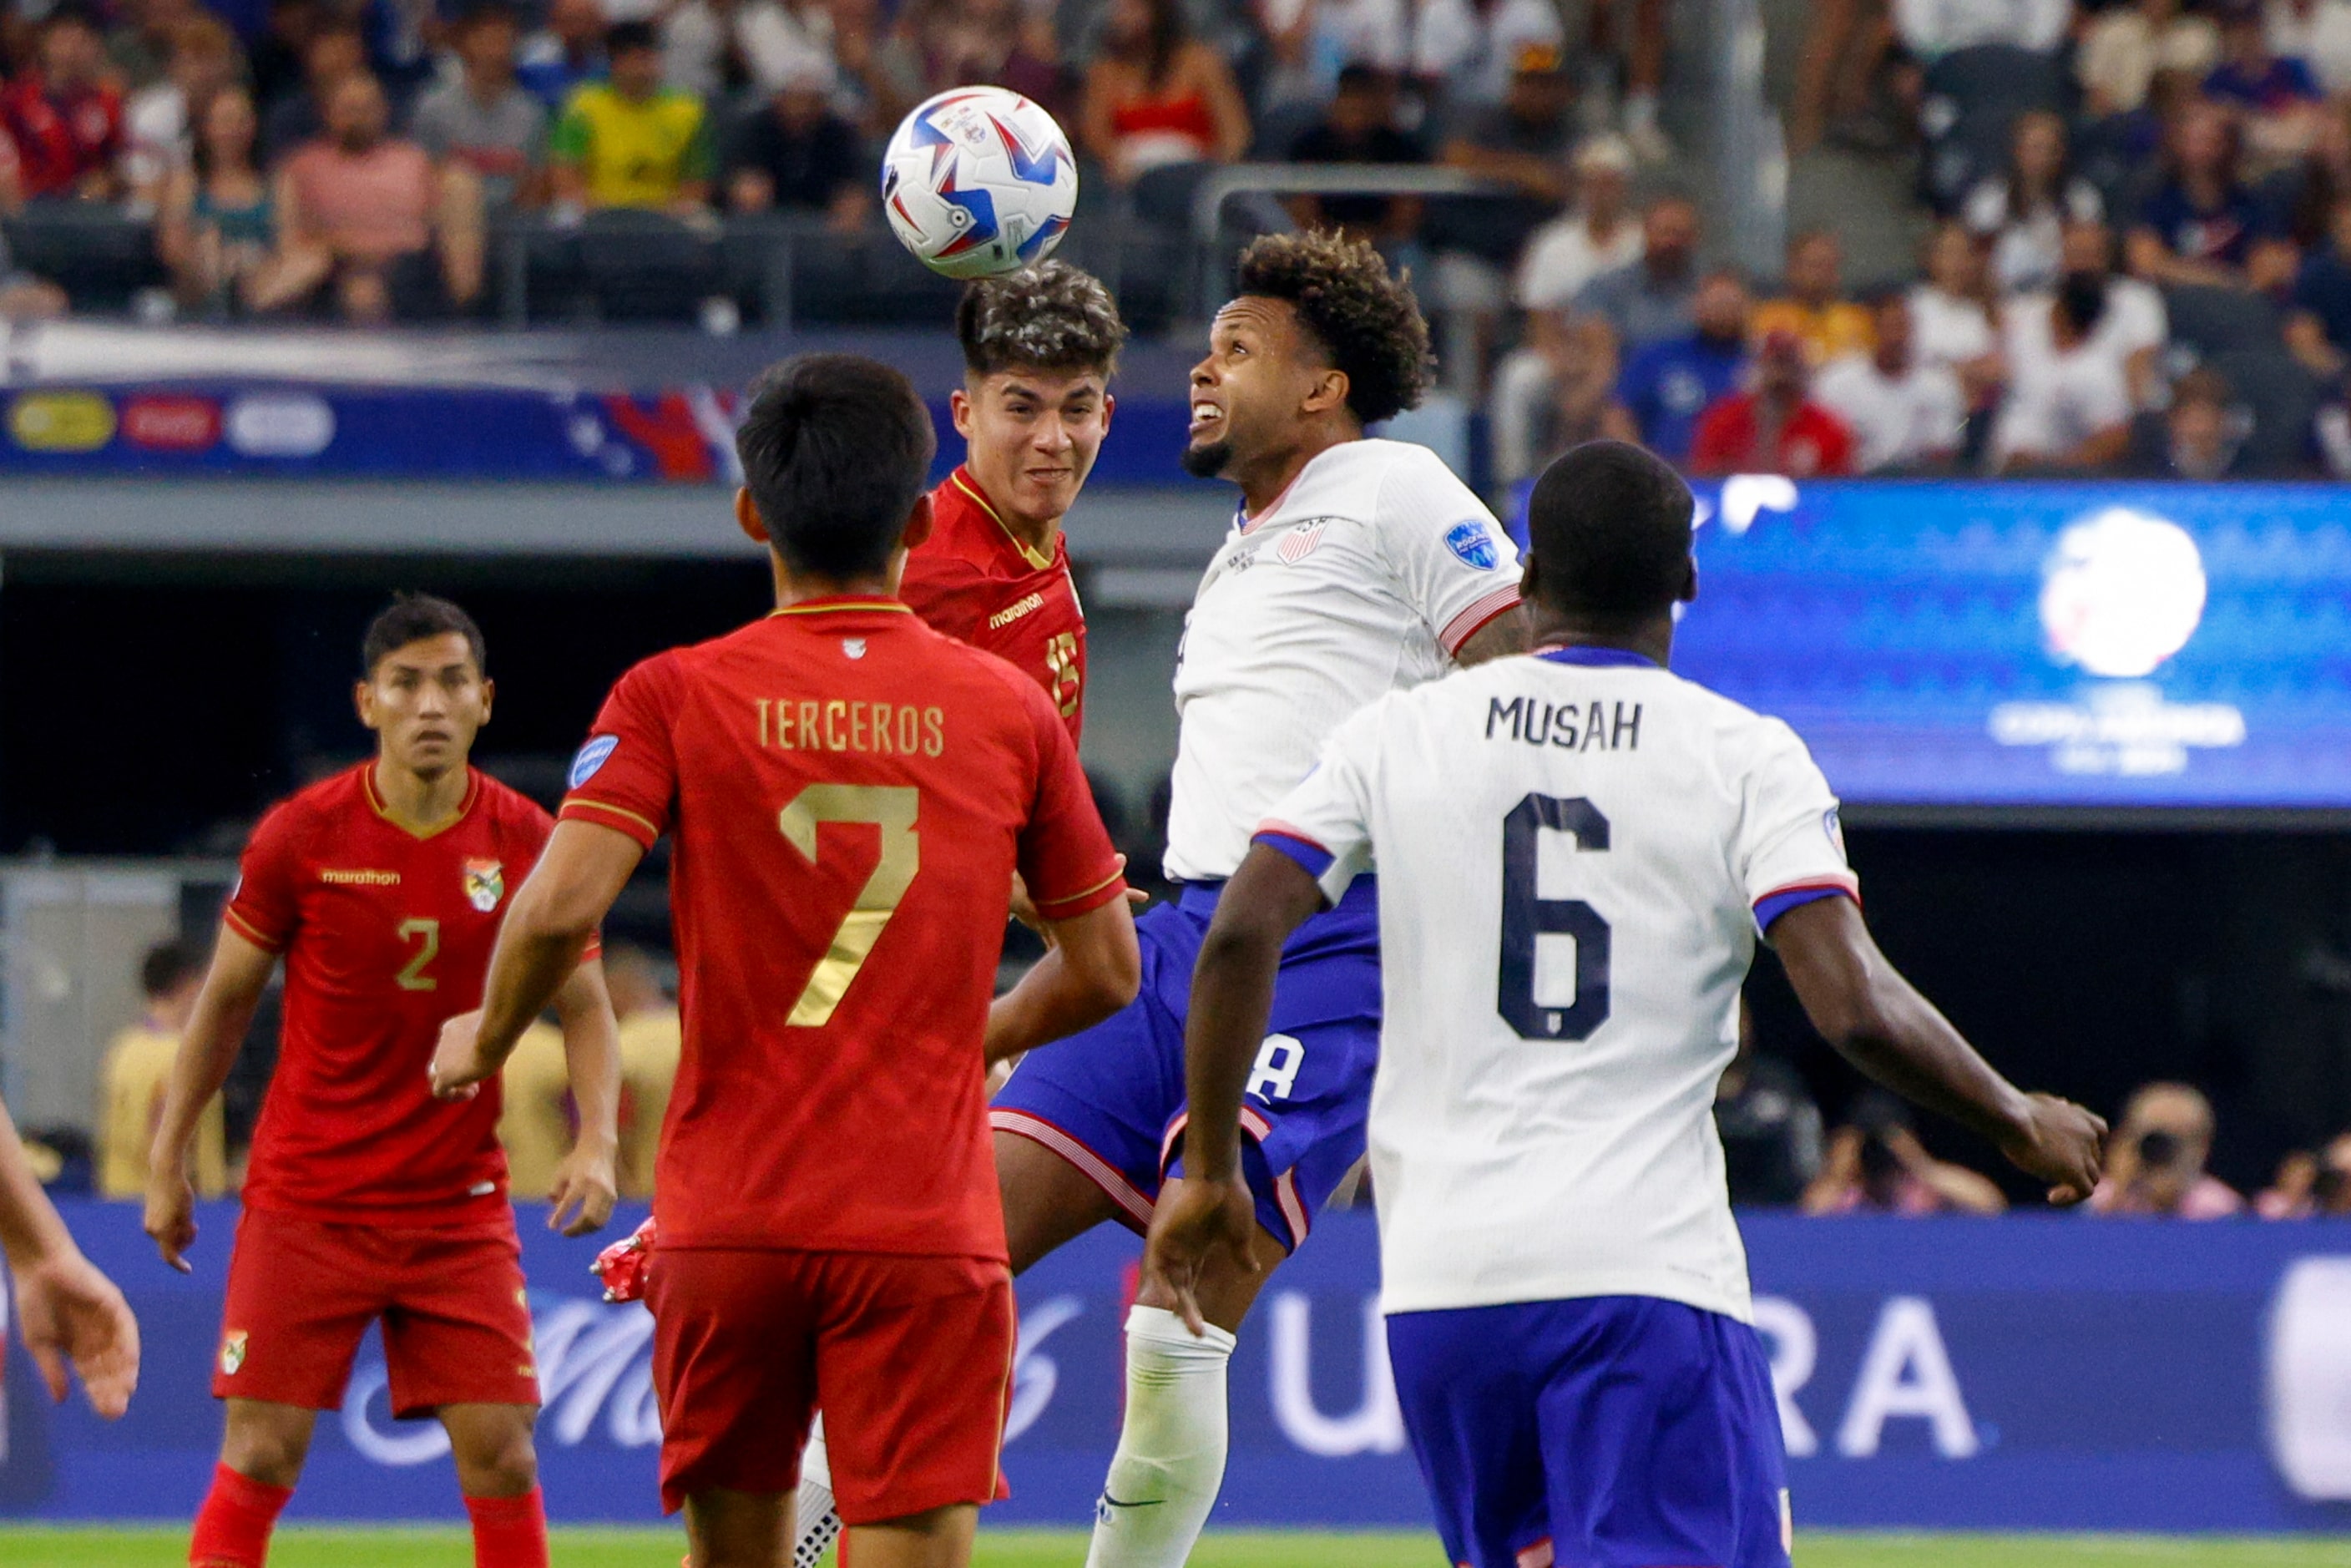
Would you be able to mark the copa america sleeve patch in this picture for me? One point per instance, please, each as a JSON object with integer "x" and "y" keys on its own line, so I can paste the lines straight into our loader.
{"x": 592, "y": 755}
{"x": 1473, "y": 544}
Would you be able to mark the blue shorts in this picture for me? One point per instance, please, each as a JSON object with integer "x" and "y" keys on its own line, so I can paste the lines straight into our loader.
{"x": 1110, "y": 1100}
{"x": 1623, "y": 1431}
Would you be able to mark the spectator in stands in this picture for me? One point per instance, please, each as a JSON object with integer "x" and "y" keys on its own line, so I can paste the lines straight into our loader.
{"x": 2318, "y": 328}
{"x": 2023, "y": 210}
{"x": 1523, "y": 144}
{"x": 2201, "y": 225}
{"x": 1360, "y": 127}
{"x": 2318, "y": 33}
{"x": 2201, "y": 436}
{"x": 1600, "y": 235}
{"x": 798, "y": 156}
{"x": 2276, "y": 97}
{"x": 1770, "y": 1127}
{"x": 2069, "y": 406}
{"x": 1930, "y": 29}
{"x": 1310, "y": 40}
{"x": 1157, "y": 98}
{"x": 1952, "y": 312}
{"x": 651, "y": 1043}
{"x": 565, "y": 54}
{"x": 1876, "y": 1164}
{"x": 712, "y": 47}
{"x": 1903, "y": 413}
{"x": 64, "y": 117}
{"x": 1635, "y": 32}
{"x": 2154, "y": 1159}
{"x": 1463, "y": 51}
{"x": 1847, "y": 47}
{"x": 1651, "y": 299}
{"x": 276, "y": 63}
{"x": 158, "y": 123}
{"x": 1559, "y": 395}
{"x": 336, "y": 52}
{"x": 216, "y": 230}
{"x": 2133, "y": 325}
{"x": 136, "y": 1071}
{"x": 1814, "y": 310}
{"x": 630, "y": 141}
{"x": 1774, "y": 427}
{"x": 370, "y": 218}
{"x": 2309, "y": 1185}
{"x": 980, "y": 40}
{"x": 2304, "y": 195}
{"x": 483, "y": 120}
{"x": 1668, "y": 383}
{"x": 22, "y": 296}
{"x": 2124, "y": 47}
{"x": 140, "y": 42}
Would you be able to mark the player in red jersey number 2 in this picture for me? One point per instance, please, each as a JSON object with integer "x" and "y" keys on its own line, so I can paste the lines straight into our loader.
{"x": 850, "y": 794}
{"x": 368, "y": 1199}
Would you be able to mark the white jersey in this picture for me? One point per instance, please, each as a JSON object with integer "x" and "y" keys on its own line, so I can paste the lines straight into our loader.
{"x": 1574, "y": 859}
{"x": 1364, "y": 577}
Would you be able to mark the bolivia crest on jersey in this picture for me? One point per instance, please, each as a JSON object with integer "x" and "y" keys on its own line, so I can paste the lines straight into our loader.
{"x": 232, "y": 1358}
{"x": 486, "y": 883}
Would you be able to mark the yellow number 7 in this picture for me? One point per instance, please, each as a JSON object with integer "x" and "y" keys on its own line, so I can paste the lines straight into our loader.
{"x": 891, "y": 808}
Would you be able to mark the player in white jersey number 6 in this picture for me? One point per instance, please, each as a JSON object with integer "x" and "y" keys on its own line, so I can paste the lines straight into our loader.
{"x": 1578, "y": 852}
{"x": 1355, "y": 566}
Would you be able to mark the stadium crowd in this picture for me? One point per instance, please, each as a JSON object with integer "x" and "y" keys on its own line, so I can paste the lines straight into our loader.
{"x": 2138, "y": 260}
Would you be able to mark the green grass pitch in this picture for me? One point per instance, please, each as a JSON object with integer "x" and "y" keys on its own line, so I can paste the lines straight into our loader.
{"x": 299, "y": 1547}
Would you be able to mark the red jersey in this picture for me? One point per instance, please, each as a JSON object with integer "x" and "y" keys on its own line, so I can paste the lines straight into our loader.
{"x": 60, "y": 139}
{"x": 386, "y": 934}
{"x": 851, "y": 793}
{"x": 1813, "y": 444}
{"x": 975, "y": 582}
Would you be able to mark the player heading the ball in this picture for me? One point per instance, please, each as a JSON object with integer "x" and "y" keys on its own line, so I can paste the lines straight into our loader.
{"x": 850, "y": 794}
{"x": 1578, "y": 852}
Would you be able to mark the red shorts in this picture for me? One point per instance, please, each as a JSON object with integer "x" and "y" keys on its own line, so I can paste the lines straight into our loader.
{"x": 911, "y": 1359}
{"x": 456, "y": 1325}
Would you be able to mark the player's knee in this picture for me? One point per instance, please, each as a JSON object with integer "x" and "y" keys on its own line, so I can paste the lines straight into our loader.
{"x": 501, "y": 1461}
{"x": 267, "y": 1451}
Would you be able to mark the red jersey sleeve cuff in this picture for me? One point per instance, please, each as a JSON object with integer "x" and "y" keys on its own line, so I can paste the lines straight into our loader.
{"x": 606, "y": 815}
{"x": 1086, "y": 902}
{"x": 242, "y": 925}
{"x": 1472, "y": 621}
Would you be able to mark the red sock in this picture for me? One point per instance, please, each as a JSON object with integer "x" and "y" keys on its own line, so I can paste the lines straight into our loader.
{"x": 233, "y": 1527}
{"x": 509, "y": 1531}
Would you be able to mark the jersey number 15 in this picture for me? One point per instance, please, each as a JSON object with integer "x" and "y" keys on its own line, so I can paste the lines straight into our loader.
{"x": 1527, "y": 916}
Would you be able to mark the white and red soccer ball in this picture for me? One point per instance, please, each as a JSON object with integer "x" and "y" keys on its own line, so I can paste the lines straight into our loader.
{"x": 979, "y": 181}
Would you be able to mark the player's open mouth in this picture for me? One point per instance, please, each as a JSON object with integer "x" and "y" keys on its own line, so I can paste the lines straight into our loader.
{"x": 1204, "y": 416}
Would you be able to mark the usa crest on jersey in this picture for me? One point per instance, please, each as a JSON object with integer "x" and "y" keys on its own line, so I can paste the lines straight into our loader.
{"x": 486, "y": 883}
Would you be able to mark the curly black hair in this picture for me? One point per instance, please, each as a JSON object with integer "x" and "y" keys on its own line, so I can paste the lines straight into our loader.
{"x": 1364, "y": 317}
{"x": 1051, "y": 317}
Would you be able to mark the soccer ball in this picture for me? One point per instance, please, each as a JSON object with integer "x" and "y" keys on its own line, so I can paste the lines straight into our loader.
{"x": 979, "y": 181}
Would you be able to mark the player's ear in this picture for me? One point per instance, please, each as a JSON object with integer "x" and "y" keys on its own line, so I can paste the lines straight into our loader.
{"x": 1331, "y": 388}
{"x": 1688, "y": 593}
{"x": 489, "y": 697}
{"x": 959, "y": 411}
{"x": 363, "y": 701}
{"x": 918, "y": 524}
{"x": 1109, "y": 407}
{"x": 1529, "y": 583}
{"x": 747, "y": 515}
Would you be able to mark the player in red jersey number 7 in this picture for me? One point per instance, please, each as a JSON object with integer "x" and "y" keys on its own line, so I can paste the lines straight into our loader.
{"x": 850, "y": 794}
{"x": 381, "y": 888}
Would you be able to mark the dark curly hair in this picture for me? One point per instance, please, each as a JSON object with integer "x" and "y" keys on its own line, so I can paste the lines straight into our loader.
{"x": 1051, "y": 317}
{"x": 1365, "y": 319}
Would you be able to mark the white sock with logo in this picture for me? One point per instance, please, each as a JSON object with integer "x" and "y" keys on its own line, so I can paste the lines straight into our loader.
{"x": 1170, "y": 1462}
{"x": 814, "y": 1523}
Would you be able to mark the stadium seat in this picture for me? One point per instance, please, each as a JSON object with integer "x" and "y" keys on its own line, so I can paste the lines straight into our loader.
{"x": 1973, "y": 96}
{"x": 642, "y": 266}
{"x": 98, "y": 255}
{"x": 2211, "y": 321}
{"x": 2282, "y": 397}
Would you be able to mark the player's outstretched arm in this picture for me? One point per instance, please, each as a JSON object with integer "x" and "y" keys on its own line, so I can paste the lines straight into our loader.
{"x": 586, "y": 1183}
{"x": 545, "y": 934}
{"x": 67, "y": 1309}
{"x": 233, "y": 985}
{"x": 1880, "y": 1023}
{"x": 1092, "y": 968}
{"x": 1232, "y": 996}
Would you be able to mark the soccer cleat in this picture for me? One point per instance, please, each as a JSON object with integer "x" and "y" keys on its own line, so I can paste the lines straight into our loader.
{"x": 623, "y": 1265}
{"x": 815, "y": 1503}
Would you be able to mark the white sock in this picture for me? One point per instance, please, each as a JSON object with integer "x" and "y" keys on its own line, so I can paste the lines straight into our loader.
{"x": 1171, "y": 1451}
{"x": 814, "y": 1523}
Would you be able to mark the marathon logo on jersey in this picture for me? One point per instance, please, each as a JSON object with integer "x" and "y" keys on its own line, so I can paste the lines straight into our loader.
{"x": 1565, "y": 727}
{"x": 339, "y": 876}
{"x": 232, "y": 1357}
{"x": 1300, "y": 542}
{"x": 1006, "y": 617}
{"x": 1474, "y": 543}
{"x": 592, "y": 755}
{"x": 486, "y": 883}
